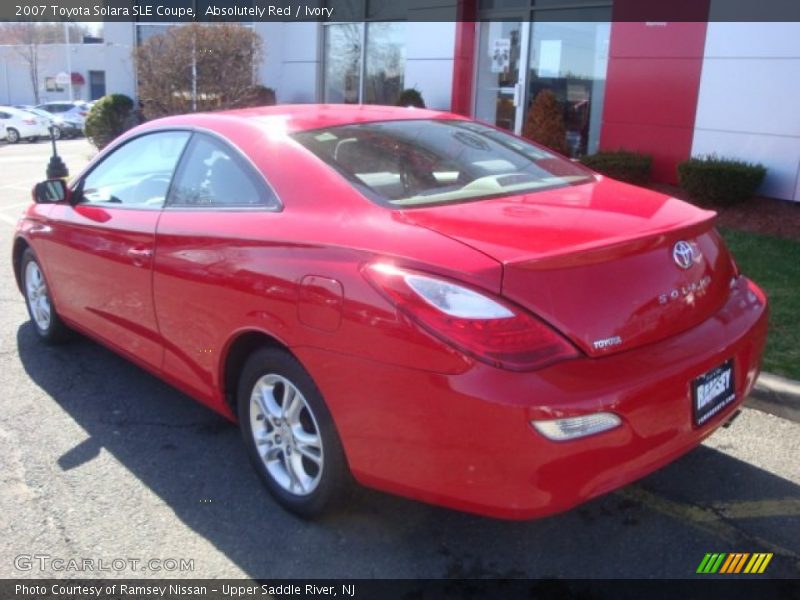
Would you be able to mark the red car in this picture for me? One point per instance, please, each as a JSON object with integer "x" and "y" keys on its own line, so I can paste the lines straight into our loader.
{"x": 430, "y": 305}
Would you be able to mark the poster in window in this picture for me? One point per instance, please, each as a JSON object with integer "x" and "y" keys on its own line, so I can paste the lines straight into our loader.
{"x": 500, "y": 54}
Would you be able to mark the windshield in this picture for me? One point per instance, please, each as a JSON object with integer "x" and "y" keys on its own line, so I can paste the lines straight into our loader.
{"x": 426, "y": 162}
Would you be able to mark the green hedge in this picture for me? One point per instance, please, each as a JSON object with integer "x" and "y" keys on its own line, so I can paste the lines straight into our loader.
{"x": 712, "y": 180}
{"x": 109, "y": 118}
{"x": 632, "y": 167}
{"x": 410, "y": 97}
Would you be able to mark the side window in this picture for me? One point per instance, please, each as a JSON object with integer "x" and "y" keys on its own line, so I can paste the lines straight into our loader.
{"x": 212, "y": 175}
{"x": 136, "y": 174}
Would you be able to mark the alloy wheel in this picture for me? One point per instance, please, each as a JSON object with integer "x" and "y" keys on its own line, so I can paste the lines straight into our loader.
{"x": 36, "y": 294}
{"x": 286, "y": 434}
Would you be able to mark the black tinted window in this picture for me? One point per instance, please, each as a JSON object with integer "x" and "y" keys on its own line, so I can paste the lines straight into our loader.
{"x": 212, "y": 175}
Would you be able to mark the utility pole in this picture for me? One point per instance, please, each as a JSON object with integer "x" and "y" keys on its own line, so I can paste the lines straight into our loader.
{"x": 69, "y": 57}
{"x": 194, "y": 72}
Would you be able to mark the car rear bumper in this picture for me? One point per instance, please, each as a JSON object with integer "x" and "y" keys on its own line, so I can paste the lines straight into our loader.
{"x": 69, "y": 128}
{"x": 466, "y": 441}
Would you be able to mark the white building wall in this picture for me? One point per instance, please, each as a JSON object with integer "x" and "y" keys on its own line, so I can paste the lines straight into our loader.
{"x": 748, "y": 102}
{"x": 118, "y": 47}
{"x": 113, "y": 56}
{"x": 292, "y": 60}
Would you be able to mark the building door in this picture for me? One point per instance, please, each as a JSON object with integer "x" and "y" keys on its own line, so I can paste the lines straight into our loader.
{"x": 502, "y": 66}
{"x": 97, "y": 84}
{"x": 532, "y": 46}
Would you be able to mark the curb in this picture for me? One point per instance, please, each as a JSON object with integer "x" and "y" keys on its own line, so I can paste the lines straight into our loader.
{"x": 776, "y": 395}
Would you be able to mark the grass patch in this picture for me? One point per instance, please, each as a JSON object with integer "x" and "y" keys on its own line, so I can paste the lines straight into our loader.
{"x": 774, "y": 264}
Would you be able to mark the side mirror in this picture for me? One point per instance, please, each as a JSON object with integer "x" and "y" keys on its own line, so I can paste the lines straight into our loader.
{"x": 50, "y": 191}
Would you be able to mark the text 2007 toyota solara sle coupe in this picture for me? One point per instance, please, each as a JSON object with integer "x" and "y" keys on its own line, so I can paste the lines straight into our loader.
{"x": 430, "y": 305}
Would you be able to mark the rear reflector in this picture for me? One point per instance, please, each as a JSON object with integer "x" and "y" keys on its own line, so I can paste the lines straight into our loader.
{"x": 560, "y": 430}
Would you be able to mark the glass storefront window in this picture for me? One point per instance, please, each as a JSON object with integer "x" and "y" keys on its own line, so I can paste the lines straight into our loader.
{"x": 343, "y": 63}
{"x": 571, "y": 59}
{"x": 374, "y": 76}
{"x": 385, "y": 58}
{"x": 560, "y": 45}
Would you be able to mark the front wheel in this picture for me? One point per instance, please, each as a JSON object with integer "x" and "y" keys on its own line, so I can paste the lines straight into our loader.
{"x": 12, "y": 135}
{"x": 289, "y": 433}
{"x": 37, "y": 298}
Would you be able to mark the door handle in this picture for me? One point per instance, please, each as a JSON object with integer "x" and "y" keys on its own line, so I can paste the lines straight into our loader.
{"x": 140, "y": 255}
{"x": 517, "y": 94}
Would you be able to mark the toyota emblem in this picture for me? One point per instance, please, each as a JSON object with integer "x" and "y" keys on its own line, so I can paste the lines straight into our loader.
{"x": 683, "y": 254}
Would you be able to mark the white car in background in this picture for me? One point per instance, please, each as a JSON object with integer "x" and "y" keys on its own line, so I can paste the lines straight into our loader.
{"x": 22, "y": 125}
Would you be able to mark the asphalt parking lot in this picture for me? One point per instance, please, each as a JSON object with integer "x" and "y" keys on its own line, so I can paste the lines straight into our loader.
{"x": 103, "y": 461}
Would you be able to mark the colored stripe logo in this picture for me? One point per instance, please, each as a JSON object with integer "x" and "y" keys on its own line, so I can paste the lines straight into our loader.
{"x": 734, "y": 563}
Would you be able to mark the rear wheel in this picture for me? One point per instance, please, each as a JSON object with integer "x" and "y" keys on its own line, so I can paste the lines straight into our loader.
{"x": 12, "y": 135}
{"x": 289, "y": 433}
{"x": 45, "y": 320}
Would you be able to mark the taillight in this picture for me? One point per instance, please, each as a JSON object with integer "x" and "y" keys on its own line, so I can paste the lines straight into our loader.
{"x": 483, "y": 327}
{"x": 83, "y": 113}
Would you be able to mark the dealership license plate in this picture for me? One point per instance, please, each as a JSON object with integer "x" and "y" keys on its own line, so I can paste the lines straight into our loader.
{"x": 712, "y": 391}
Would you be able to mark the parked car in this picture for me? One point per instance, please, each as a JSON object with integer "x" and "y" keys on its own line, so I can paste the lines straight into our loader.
{"x": 434, "y": 306}
{"x": 74, "y": 112}
{"x": 62, "y": 127}
{"x": 22, "y": 125}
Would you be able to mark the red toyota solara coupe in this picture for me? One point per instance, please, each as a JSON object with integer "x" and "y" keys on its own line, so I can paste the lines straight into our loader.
{"x": 426, "y": 304}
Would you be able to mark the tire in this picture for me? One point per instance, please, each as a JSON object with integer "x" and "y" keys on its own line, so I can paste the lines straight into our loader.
{"x": 46, "y": 322}
{"x": 298, "y": 456}
{"x": 12, "y": 135}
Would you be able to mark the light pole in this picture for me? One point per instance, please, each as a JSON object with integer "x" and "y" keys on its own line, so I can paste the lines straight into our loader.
{"x": 69, "y": 58}
{"x": 194, "y": 72}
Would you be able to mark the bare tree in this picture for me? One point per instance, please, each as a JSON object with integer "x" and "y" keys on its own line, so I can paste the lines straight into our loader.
{"x": 197, "y": 66}
{"x": 27, "y": 38}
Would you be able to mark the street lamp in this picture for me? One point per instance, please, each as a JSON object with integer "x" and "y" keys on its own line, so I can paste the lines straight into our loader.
{"x": 69, "y": 58}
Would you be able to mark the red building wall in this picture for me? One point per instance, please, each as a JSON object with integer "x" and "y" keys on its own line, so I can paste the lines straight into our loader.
{"x": 652, "y": 84}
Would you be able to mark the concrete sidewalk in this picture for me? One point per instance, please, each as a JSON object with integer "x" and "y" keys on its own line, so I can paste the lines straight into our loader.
{"x": 776, "y": 395}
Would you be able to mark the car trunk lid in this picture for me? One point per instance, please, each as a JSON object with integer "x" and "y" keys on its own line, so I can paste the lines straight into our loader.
{"x": 599, "y": 261}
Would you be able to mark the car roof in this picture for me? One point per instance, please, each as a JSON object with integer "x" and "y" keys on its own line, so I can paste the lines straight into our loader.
{"x": 305, "y": 117}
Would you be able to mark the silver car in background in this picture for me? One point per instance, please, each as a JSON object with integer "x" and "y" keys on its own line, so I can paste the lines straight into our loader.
{"x": 73, "y": 111}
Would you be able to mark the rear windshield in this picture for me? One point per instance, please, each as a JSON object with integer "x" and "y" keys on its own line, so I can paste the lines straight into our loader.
{"x": 427, "y": 162}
